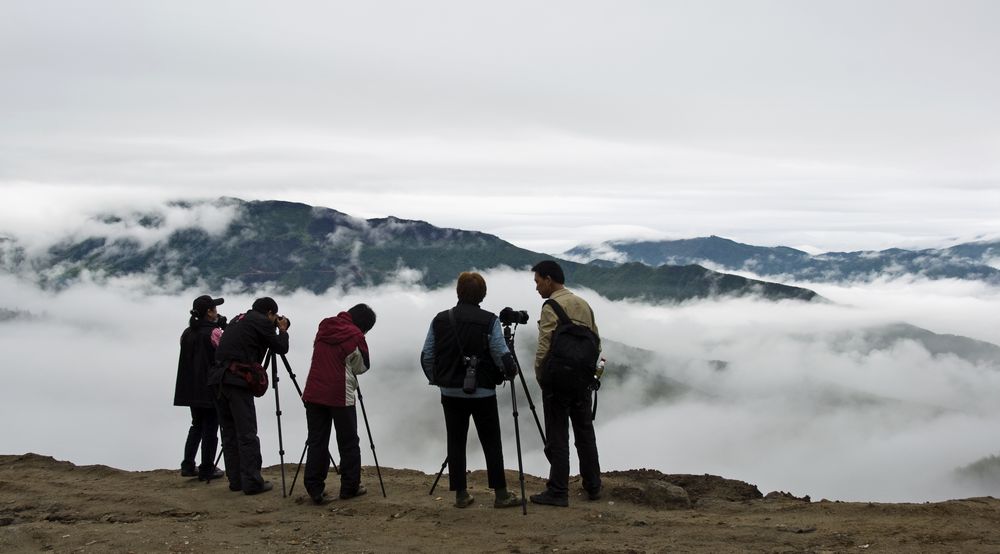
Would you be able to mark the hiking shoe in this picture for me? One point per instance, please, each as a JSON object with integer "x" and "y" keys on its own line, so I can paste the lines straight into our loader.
{"x": 508, "y": 501}
{"x": 216, "y": 474}
{"x": 361, "y": 490}
{"x": 595, "y": 494}
{"x": 235, "y": 488}
{"x": 263, "y": 488}
{"x": 463, "y": 499}
{"x": 550, "y": 498}
{"x": 188, "y": 470}
{"x": 322, "y": 499}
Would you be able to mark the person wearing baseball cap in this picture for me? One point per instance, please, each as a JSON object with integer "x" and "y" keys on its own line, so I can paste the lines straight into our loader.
{"x": 198, "y": 343}
{"x": 242, "y": 348}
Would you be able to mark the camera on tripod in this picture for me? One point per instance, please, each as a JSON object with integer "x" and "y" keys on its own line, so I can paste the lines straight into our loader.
{"x": 509, "y": 316}
{"x": 287, "y": 321}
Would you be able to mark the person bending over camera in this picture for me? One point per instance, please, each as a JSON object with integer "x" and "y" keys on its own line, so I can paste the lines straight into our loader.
{"x": 340, "y": 354}
{"x": 463, "y": 354}
{"x": 239, "y": 355}
{"x": 198, "y": 342}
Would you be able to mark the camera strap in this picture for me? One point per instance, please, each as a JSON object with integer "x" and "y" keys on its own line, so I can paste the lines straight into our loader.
{"x": 454, "y": 327}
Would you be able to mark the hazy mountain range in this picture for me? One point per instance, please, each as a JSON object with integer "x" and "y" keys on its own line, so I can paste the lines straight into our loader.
{"x": 971, "y": 261}
{"x": 293, "y": 245}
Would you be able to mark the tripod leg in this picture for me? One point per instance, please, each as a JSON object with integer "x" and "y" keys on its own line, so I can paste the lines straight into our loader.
{"x": 297, "y": 468}
{"x": 368, "y": 428}
{"x": 444, "y": 464}
{"x": 531, "y": 405}
{"x": 517, "y": 437}
{"x": 277, "y": 413}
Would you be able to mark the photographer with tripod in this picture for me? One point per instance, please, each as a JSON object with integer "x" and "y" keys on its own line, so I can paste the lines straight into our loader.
{"x": 235, "y": 379}
{"x": 463, "y": 355}
{"x": 340, "y": 354}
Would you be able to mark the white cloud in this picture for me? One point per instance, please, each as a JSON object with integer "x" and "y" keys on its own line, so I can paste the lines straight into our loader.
{"x": 799, "y": 407}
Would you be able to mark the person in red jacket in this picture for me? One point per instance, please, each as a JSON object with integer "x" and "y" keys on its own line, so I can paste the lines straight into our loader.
{"x": 340, "y": 354}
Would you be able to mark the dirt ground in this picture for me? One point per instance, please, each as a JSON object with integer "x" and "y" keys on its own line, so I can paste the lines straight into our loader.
{"x": 49, "y": 505}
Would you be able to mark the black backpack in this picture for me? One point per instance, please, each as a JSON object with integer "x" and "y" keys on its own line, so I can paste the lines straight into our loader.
{"x": 572, "y": 358}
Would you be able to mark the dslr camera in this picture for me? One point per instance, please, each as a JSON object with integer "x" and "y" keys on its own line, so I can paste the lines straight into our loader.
{"x": 280, "y": 317}
{"x": 471, "y": 365}
{"x": 509, "y": 316}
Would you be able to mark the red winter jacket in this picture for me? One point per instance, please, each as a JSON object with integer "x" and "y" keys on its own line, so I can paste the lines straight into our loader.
{"x": 340, "y": 353}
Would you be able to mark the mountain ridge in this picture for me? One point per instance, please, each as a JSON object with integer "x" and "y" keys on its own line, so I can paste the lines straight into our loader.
{"x": 968, "y": 261}
{"x": 291, "y": 245}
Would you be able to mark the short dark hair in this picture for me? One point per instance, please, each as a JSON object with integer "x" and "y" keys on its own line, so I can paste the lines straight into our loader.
{"x": 363, "y": 317}
{"x": 549, "y": 268}
{"x": 471, "y": 287}
{"x": 264, "y": 305}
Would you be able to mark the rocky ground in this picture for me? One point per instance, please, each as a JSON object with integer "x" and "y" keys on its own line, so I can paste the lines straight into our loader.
{"x": 49, "y": 505}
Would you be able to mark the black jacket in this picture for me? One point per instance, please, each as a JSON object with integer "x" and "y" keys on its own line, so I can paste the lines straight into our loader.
{"x": 473, "y": 329}
{"x": 196, "y": 359}
{"x": 247, "y": 339}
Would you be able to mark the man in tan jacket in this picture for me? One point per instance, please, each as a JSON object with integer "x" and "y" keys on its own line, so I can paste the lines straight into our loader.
{"x": 560, "y": 408}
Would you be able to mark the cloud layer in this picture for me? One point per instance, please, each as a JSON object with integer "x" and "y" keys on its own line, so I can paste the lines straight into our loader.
{"x": 798, "y": 406}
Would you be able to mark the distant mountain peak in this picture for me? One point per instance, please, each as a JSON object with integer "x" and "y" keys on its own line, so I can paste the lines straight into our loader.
{"x": 971, "y": 261}
{"x": 290, "y": 245}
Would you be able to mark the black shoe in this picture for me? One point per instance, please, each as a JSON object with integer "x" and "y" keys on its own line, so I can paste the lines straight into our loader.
{"x": 263, "y": 488}
{"x": 361, "y": 490}
{"x": 235, "y": 488}
{"x": 508, "y": 500}
{"x": 550, "y": 498}
{"x": 189, "y": 470}
{"x": 215, "y": 474}
{"x": 322, "y": 499}
{"x": 463, "y": 499}
{"x": 595, "y": 494}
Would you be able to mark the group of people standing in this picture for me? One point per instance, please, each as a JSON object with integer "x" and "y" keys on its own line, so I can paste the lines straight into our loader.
{"x": 219, "y": 358}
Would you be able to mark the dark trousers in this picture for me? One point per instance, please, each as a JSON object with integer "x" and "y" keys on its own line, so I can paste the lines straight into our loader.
{"x": 456, "y": 420}
{"x": 204, "y": 431}
{"x": 345, "y": 421}
{"x": 240, "y": 445}
{"x": 560, "y": 410}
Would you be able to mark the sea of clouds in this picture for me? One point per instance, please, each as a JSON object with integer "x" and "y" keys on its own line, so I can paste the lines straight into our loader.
{"x": 800, "y": 405}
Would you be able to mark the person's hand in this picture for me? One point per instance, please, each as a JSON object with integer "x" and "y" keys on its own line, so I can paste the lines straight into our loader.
{"x": 283, "y": 323}
{"x": 510, "y": 372}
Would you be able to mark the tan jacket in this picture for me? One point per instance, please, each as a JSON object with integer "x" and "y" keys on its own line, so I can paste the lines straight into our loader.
{"x": 576, "y": 308}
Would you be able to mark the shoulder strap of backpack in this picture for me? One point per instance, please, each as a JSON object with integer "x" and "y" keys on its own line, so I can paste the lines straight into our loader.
{"x": 560, "y": 313}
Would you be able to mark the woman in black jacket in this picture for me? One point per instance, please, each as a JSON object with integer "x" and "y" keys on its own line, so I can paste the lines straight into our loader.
{"x": 198, "y": 342}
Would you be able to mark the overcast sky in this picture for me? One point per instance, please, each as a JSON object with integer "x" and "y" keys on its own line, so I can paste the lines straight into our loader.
{"x": 832, "y": 125}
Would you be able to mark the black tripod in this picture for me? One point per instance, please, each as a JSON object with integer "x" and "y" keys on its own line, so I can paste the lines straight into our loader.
{"x": 508, "y": 336}
{"x": 361, "y": 401}
{"x": 270, "y": 361}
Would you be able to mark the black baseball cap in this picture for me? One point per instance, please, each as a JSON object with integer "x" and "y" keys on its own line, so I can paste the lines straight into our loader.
{"x": 204, "y": 302}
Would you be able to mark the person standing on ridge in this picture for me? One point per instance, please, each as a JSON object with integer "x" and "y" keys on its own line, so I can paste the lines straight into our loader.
{"x": 241, "y": 350}
{"x": 455, "y": 337}
{"x": 340, "y": 354}
{"x": 562, "y": 407}
{"x": 198, "y": 342}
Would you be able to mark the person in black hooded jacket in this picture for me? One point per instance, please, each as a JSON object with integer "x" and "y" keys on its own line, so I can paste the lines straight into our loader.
{"x": 197, "y": 356}
{"x": 245, "y": 342}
